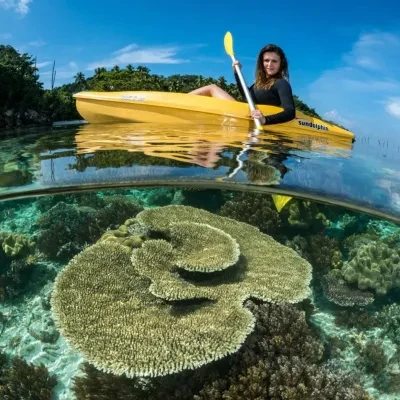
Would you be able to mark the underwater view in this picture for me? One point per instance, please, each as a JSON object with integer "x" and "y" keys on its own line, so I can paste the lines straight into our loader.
{"x": 153, "y": 262}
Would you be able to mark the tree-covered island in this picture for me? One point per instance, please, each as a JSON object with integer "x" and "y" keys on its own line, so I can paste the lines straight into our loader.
{"x": 24, "y": 101}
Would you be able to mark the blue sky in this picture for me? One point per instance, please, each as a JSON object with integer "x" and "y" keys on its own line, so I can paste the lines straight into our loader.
{"x": 343, "y": 57}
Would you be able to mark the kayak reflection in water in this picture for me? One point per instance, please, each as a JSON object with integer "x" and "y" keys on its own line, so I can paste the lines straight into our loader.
{"x": 265, "y": 168}
{"x": 271, "y": 86}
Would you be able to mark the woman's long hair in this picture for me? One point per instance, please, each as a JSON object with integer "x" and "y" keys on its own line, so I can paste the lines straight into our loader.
{"x": 262, "y": 82}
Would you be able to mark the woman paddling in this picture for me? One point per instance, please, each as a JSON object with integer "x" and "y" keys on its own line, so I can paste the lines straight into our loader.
{"x": 271, "y": 86}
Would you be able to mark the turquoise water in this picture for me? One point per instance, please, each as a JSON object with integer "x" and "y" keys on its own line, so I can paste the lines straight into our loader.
{"x": 151, "y": 262}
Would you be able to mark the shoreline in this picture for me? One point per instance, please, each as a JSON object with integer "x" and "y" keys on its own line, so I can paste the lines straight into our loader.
{"x": 33, "y": 127}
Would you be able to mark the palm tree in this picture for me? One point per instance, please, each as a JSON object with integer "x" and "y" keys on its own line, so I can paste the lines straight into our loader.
{"x": 143, "y": 69}
{"x": 80, "y": 81}
{"x": 222, "y": 82}
{"x": 99, "y": 71}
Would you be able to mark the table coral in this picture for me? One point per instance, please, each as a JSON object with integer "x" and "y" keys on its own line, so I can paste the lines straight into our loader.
{"x": 281, "y": 359}
{"x": 135, "y": 312}
{"x": 339, "y": 293}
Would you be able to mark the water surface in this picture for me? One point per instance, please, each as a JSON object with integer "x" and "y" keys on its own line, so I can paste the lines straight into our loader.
{"x": 79, "y": 319}
{"x": 361, "y": 174}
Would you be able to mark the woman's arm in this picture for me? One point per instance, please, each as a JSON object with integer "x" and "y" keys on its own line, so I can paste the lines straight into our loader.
{"x": 284, "y": 90}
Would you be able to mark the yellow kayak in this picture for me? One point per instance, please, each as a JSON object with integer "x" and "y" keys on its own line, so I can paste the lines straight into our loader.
{"x": 183, "y": 108}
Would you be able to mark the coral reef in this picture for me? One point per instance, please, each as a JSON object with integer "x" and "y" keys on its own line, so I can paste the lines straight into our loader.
{"x": 356, "y": 240}
{"x": 160, "y": 197}
{"x": 389, "y": 320}
{"x": 16, "y": 245}
{"x": 116, "y": 210}
{"x": 373, "y": 358}
{"x": 306, "y": 215}
{"x": 359, "y": 319}
{"x": 131, "y": 234}
{"x": 25, "y": 381}
{"x": 373, "y": 265}
{"x": 345, "y": 224}
{"x": 180, "y": 289}
{"x": 17, "y": 259}
{"x": 254, "y": 209}
{"x": 300, "y": 245}
{"x": 65, "y": 229}
{"x": 325, "y": 252}
{"x": 339, "y": 293}
{"x": 172, "y": 303}
{"x": 206, "y": 199}
{"x": 281, "y": 359}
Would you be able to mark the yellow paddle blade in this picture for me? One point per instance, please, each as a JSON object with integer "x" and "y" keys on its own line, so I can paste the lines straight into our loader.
{"x": 228, "y": 43}
{"x": 280, "y": 201}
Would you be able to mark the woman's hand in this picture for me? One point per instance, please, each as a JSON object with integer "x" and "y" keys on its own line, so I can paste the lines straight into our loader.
{"x": 258, "y": 115}
{"x": 236, "y": 63}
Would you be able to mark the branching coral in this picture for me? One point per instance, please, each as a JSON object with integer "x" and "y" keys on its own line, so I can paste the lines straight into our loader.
{"x": 359, "y": 319}
{"x": 16, "y": 260}
{"x": 306, "y": 215}
{"x": 25, "y": 381}
{"x": 255, "y": 209}
{"x": 117, "y": 308}
{"x": 389, "y": 320}
{"x": 373, "y": 358}
{"x": 325, "y": 252}
{"x": 66, "y": 228}
{"x": 117, "y": 209}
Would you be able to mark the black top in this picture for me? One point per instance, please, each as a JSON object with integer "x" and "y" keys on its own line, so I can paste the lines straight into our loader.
{"x": 279, "y": 95}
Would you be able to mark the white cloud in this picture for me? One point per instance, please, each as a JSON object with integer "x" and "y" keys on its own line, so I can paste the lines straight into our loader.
{"x": 19, "y": 6}
{"x": 393, "y": 107}
{"x": 37, "y": 43}
{"x": 364, "y": 88}
{"x": 64, "y": 72}
{"x": 367, "y": 62}
{"x": 43, "y": 64}
{"x": 334, "y": 116}
{"x": 134, "y": 54}
{"x": 367, "y": 51}
{"x": 126, "y": 49}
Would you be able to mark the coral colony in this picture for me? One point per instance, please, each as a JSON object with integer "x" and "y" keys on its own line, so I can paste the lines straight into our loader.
{"x": 164, "y": 295}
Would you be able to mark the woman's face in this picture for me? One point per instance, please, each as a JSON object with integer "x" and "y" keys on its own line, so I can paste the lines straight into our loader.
{"x": 272, "y": 63}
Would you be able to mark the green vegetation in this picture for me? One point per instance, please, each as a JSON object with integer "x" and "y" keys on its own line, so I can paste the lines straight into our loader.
{"x": 24, "y": 101}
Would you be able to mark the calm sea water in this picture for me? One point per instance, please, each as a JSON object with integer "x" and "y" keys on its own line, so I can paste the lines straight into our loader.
{"x": 168, "y": 262}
